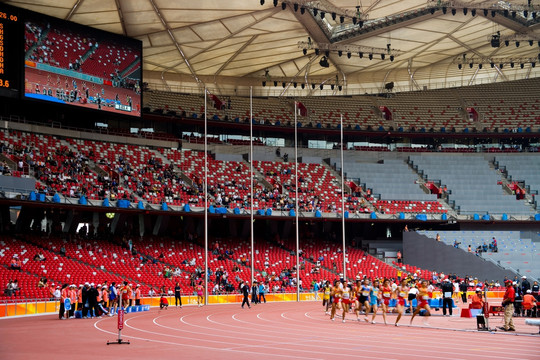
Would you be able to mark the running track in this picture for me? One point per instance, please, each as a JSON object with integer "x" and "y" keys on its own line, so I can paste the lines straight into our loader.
{"x": 266, "y": 331}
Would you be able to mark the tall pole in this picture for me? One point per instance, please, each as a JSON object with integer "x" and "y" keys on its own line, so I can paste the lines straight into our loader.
{"x": 205, "y": 202}
{"x": 252, "y": 260}
{"x": 296, "y": 200}
{"x": 343, "y": 201}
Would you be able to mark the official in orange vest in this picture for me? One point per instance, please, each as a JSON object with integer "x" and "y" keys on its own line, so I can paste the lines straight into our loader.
{"x": 138, "y": 295}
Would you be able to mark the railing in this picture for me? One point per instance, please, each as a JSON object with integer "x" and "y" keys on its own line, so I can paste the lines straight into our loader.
{"x": 20, "y": 307}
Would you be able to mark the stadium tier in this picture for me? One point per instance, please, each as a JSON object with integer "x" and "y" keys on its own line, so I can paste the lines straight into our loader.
{"x": 500, "y": 107}
{"x": 384, "y": 182}
{"x": 510, "y": 251}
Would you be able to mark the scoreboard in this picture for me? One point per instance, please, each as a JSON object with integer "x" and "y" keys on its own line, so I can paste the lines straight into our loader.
{"x": 11, "y": 40}
{"x": 46, "y": 59}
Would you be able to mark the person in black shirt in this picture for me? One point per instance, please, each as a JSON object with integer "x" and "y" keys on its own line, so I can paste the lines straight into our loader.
{"x": 447, "y": 290}
{"x": 177, "y": 297}
{"x": 245, "y": 292}
{"x": 463, "y": 288}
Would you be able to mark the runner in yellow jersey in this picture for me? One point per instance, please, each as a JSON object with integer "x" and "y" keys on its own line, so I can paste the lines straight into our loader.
{"x": 327, "y": 291}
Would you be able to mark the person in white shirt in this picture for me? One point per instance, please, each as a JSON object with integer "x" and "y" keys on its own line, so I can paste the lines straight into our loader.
{"x": 413, "y": 291}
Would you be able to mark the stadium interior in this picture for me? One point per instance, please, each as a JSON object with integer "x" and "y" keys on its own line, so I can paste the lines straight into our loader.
{"x": 418, "y": 121}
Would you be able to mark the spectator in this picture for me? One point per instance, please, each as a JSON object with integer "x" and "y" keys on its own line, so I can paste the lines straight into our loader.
{"x": 15, "y": 263}
{"x": 535, "y": 290}
{"x": 525, "y": 284}
{"x": 8, "y": 291}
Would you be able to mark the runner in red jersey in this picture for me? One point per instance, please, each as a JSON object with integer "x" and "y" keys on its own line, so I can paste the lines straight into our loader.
{"x": 336, "y": 295}
{"x": 386, "y": 295}
{"x": 401, "y": 293}
{"x": 346, "y": 298}
{"x": 423, "y": 301}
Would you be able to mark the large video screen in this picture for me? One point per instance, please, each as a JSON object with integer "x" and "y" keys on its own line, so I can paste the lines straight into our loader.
{"x": 77, "y": 65}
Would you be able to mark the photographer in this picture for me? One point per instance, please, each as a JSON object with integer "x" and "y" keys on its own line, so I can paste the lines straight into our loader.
{"x": 508, "y": 303}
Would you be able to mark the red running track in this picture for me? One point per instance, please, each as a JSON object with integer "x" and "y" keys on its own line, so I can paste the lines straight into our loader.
{"x": 266, "y": 331}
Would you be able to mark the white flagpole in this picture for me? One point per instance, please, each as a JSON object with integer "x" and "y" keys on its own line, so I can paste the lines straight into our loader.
{"x": 343, "y": 201}
{"x": 205, "y": 201}
{"x": 296, "y": 200}
{"x": 252, "y": 260}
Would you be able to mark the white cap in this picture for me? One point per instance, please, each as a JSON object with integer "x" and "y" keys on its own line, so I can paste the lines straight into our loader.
{"x": 529, "y": 291}
{"x": 92, "y": 284}
{"x": 138, "y": 285}
{"x": 87, "y": 283}
{"x": 523, "y": 277}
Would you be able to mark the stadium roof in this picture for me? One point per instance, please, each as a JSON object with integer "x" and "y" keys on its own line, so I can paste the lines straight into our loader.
{"x": 230, "y": 43}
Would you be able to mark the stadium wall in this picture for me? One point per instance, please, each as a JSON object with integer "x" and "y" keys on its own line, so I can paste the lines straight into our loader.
{"x": 426, "y": 253}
